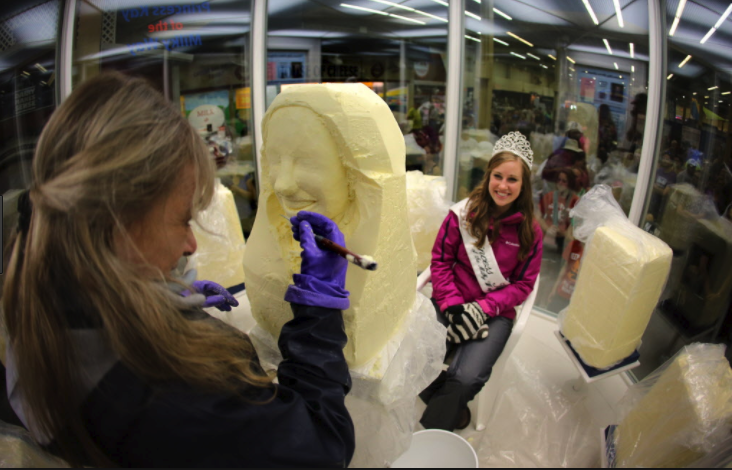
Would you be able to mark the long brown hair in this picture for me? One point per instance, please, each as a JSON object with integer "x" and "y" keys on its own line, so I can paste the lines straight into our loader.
{"x": 481, "y": 207}
{"x": 112, "y": 148}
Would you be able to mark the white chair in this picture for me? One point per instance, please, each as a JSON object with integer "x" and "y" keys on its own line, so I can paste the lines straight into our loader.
{"x": 487, "y": 397}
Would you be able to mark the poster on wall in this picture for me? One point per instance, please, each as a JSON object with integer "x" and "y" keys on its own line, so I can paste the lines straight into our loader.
{"x": 286, "y": 67}
{"x": 598, "y": 87}
{"x": 203, "y": 109}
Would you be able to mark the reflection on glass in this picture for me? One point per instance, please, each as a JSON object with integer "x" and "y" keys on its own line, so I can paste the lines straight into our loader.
{"x": 576, "y": 90}
{"x": 691, "y": 195}
{"x": 196, "y": 54}
{"x": 397, "y": 50}
{"x": 28, "y": 33}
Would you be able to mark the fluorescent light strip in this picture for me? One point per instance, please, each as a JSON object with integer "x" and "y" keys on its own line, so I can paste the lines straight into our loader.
{"x": 632, "y": 68}
{"x": 619, "y": 12}
{"x": 685, "y": 61}
{"x": 571, "y": 60}
{"x": 406, "y": 19}
{"x": 472, "y": 38}
{"x": 719, "y": 23}
{"x": 545, "y": 66}
{"x": 713, "y": 88}
{"x": 473, "y": 15}
{"x": 727, "y": 92}
{"x": 499, "y": 12}
{"x": 518, "y": 55}
{"x": 677, "y": 19}
{"x": 616, "y": 66}
{"x": 395, "y": 5}
{"x": 552, "y": 57}
{"x": 670, "y": 77}
{"x": 41, "y": 68}
{"x": 24, "y": 73}
{"x": 520, "y": 39}
{"x": 500, "y": 42}
{"x": 607, "y": 45}
{"x": 444, "y": 4}
{"x": 709, "y": 34}
{"x": 533, "y": 56}
{"x": 590, "y": 11}
{"x": 632, "y": 50}
{"x": 377, "y": 12}
{"x": 430, "y": 15}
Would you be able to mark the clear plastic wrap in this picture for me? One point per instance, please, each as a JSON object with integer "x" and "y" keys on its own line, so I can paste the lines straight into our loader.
{"x": 427, "y": 210}
{"x": 382, "y": 400}
{"x": 19, "y": 450}
{"x": 620, "y": 281}
{"x": 680, "y": 415}
{"x": 220, "y": 254}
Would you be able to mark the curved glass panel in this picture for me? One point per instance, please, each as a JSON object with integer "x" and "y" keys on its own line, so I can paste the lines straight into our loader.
{"x": 572, "y": 79}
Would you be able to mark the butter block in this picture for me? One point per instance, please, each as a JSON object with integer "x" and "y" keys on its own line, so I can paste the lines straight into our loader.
{"x": 337, "y": 150}
{"x": 220, "y": 253}
{"x": 683, "y": 415}
{"x": 622, "y": 275}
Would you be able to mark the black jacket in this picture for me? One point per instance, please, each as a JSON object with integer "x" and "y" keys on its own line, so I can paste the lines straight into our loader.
{"x": 306, "y": 424}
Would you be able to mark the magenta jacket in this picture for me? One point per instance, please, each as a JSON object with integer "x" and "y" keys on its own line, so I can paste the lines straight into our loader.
{"x": 453, "y": 279}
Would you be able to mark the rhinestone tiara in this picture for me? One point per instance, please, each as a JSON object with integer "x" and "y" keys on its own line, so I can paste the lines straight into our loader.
{"x": 517, "y": 144}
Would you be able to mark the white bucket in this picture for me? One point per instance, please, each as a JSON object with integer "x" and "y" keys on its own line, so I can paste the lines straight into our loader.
{"x": 435, "y": 448}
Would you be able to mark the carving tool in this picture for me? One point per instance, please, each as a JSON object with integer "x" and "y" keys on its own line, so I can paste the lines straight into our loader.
{"x": 362, "y": 261}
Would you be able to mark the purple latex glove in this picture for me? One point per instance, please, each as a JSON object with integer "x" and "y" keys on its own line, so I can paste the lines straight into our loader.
{"x": 216, "y": 295}
{"x": 322, "y": 278}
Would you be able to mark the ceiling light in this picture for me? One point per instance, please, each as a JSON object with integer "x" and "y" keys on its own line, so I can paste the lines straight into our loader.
{"x": 685, "y": 61}
{"x": 44, "y": 83}
{"x": 552, "y": 57}
{"x": 500, "y": 42}
{"x": 632, "y": 68}
{"x": 694, "y": 93}
{"x": 719, "y": 23}
{"x": 607, "y": 45}
{"x": 727, "y": 92}
{"x": 670, "y": 77}
{"x": 632, "y": 50}
{"x": 712, "y": 88}
{"x": 533, "y": 56}
{"x": 41, "y": 68}
{"x": 571, "y": 60}
{"x": 24, "y": 73}
{"x": 679, "y": 12}
{"x": 590, "y": 11}
{"x": 573, "y": 70}
{"x": 499, "y": 12}
{"x": 616, "y": 66}
{"x": 473, "y": 15}
{"x": 619, "y": 12}
{"x": 406, "y": 19}
{"x": 518, "y": 55}
{"x": 472, "y": 38}
{"x": 520, "y": 39}
{"x": 620, "y": 77}
{"x": 545, "y": 66}
{"x": 395, "y": 5}
{"x": 706, "y": 97}
{"x": 444, "y": 4}
{"x": 431, "y": 16}
{"x": 364, "y": 9}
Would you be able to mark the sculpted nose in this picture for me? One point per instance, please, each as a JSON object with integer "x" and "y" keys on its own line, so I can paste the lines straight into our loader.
{"x": 285, "y": 179}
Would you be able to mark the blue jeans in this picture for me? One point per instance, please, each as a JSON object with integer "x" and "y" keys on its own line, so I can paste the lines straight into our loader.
{"x": 469, "y": 371}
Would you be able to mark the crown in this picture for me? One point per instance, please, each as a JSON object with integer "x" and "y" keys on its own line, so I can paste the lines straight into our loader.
{"x": 517, "y": 144}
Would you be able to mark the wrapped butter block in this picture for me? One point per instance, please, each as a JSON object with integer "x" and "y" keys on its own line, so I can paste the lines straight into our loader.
{"x": 623, "y": 273}
{"x": 220, "y": 253}
{"x": 427, "y": 210}
{"x": 685, "y": 415}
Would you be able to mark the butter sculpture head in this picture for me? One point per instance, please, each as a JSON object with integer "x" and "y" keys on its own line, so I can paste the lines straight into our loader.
{"x": 335, "y": 149}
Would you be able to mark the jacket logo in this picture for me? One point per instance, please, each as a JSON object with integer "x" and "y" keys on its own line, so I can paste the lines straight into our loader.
{"x": 513, "y": 244}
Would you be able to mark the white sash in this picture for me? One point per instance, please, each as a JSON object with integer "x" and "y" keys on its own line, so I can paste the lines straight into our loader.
{"x": 483, "y": 260}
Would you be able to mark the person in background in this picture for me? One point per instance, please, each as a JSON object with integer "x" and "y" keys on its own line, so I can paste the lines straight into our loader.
{"x": 665, "y": 177}
{"x": 690, "y": 175}
{"x": 563, "y": 159}
{"x": 607, "y": 133}
{"x": 486, "y": 240}
{"x": 111, "y": 361}
{"x": 554, "y": 208}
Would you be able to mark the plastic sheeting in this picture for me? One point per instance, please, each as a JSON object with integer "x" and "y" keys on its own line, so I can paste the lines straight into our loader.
{"x": 220, "y": 254}
{"x": 622, "y": 275}
{"x": 383, "y": 408}
{"x": 18, "y": 450}
{"x": 427, "y": 210}
{"x": 537, "y": 421}
{"x": 680, "y": 415}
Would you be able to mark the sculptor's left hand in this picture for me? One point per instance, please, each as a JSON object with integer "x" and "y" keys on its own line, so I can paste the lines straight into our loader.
{"x": 216, "y": 295}
{"x": 321, "y": 264}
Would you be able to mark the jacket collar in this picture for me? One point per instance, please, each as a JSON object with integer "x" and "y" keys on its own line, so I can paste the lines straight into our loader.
{"x": 514, "y": 219}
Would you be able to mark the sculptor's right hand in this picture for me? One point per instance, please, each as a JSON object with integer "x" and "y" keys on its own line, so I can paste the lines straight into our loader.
{"x": 317, "y": 262}
{"x": 322, "y": 278}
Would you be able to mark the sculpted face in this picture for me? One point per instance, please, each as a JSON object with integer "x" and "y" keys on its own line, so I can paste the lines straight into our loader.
{"x": 306, "y": 172}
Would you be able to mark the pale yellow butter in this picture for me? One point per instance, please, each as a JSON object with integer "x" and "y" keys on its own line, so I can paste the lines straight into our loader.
{"x": 619, "y": 284}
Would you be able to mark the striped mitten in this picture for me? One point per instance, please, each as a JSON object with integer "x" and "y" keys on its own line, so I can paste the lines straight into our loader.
{"x": 467, "y": 322}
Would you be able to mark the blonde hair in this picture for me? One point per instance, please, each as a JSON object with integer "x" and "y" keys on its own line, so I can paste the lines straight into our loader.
{"x": 112, "y": 149}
